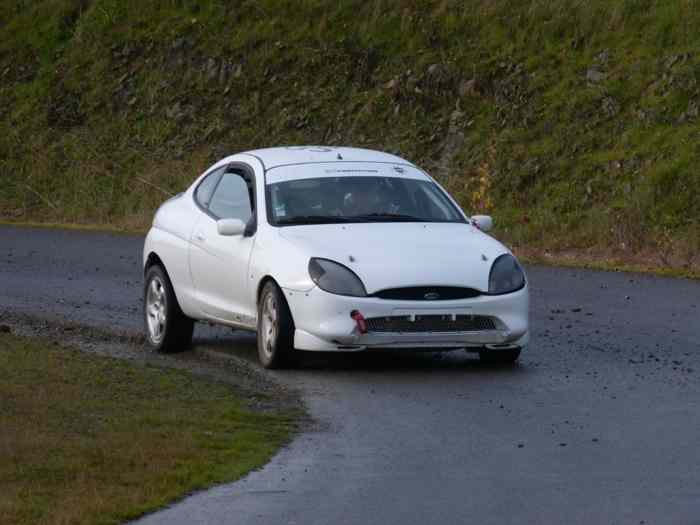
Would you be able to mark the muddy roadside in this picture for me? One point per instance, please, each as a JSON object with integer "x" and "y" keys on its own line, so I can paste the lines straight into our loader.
{"x": 259, "y": 391}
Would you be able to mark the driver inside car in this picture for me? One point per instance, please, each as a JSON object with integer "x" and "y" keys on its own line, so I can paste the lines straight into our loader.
{"x": 366, "y": 199}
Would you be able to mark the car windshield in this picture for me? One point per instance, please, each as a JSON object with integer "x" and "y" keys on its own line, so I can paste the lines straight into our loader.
{"x": 358, "y": 199}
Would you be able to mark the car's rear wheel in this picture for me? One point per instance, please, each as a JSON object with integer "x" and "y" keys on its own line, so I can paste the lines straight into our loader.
{"x": 501, "y": 357}
{"x": 167, "y": 328}
{"x": 275, "y": 329}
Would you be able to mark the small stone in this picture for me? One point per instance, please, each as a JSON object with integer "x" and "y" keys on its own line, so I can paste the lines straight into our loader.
{"x": 174, "y": 111}
{"x": 670, "y": 61}
{"x": 610, "y": 107}
{"x": 391, "y": 84}
{"x": 520, "y": 445}
{"x": 4, "y": 329}
{"x": 434, "y": 69}
{"x": 691, "y": 113}
{"x": 178, "y": 44}
{"x": 212, "y": 69}
{"x": 594, "y": 76}
{"x": 456, "y": 115}
{"x": 576, "y": 310}
{"x": 468, "y": 87}
{"x": 562, "y": 444}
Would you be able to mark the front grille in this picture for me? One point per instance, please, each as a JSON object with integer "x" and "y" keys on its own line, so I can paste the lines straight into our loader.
{"x": 427, "y": 293}
{"x": 430, "y": 323}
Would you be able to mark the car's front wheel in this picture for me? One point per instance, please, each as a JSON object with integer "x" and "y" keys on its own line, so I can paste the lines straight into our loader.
{"x": 167, "y": 328}
{"x": 501, "y": 357}
{"x": 275, "y": 329}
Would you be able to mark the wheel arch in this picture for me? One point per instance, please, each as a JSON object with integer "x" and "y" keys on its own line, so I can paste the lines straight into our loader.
{"x": 261, "y": 284}
{"x": 154, "y": 259}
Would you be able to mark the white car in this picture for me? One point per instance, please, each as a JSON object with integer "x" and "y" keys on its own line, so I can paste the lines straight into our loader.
{"x": 330, "y": 249}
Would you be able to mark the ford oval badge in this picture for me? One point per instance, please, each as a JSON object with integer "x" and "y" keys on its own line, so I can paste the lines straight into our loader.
{"x": 431, "y": 296}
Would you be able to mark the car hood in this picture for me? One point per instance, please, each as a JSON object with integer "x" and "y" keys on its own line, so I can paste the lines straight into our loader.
{"x": 392, "y": 255}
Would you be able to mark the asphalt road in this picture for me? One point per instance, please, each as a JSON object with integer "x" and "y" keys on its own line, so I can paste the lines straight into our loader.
{"x": 599, "y": 423}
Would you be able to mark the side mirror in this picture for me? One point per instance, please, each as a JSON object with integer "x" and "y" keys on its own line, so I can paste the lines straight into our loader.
{"x": 483, "y": 222}
{"x": 230, "y": 227}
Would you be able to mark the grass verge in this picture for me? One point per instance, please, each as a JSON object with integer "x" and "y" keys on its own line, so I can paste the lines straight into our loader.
{"x": 91, "y": 439}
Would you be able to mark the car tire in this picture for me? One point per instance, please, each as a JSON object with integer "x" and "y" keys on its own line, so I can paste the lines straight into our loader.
{"x": 275, "y": 329}
{"x": 499, "y": 357}
{"x": 168, "y": 329}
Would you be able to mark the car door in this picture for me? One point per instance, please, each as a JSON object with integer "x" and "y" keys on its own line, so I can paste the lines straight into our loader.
{"x": 218, "y": 263}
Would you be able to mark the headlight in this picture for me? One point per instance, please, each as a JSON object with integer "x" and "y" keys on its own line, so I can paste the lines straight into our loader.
{"x": 506, "y": 275}
{"x": 336, "y": 278}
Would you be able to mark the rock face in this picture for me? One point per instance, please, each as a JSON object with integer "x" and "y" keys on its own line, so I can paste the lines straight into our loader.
{"x": 453, "y": 142}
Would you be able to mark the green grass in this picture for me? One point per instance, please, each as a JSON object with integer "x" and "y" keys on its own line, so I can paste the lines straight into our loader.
{"x": 117, "y": 94}
{"x": 88, "y": 439}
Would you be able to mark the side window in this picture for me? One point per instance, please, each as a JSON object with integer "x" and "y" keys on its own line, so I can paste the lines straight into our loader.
{"x": 206, "y": 188}
{"x": 232, "y": 198}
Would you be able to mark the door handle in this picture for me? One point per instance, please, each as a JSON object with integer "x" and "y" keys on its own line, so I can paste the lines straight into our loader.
{"x": 200, "y": 236}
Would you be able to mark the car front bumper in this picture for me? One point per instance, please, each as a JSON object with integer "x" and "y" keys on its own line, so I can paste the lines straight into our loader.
{"x": 323, "y": 322}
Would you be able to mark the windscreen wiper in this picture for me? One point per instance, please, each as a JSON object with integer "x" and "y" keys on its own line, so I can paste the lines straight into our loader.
{"x": 312, "y": 219}
{"x": 390, "y": 216}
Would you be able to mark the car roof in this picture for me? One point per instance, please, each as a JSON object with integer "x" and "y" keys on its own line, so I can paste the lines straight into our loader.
{"x": 284, "y": 156}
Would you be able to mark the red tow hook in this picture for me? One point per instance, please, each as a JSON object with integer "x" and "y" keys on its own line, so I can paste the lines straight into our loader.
{"x": 360, "y": 320}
